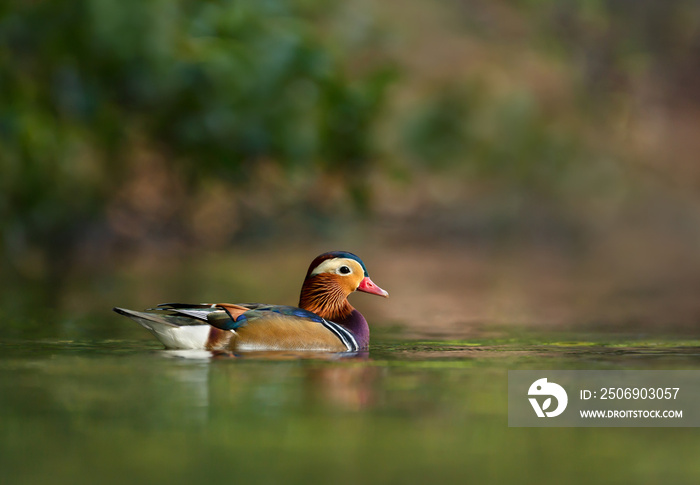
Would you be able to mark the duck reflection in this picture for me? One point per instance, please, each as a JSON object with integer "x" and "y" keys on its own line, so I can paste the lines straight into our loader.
{"x": 344, "y": 387}
{"x": 276, "y": 383}
{"x": 290, "y": 355}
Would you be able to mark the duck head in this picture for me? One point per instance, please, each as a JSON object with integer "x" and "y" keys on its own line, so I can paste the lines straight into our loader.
{"x": 331, "y": 278}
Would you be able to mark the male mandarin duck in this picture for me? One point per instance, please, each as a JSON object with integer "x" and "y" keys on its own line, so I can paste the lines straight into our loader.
{"x": 324, "y": 320}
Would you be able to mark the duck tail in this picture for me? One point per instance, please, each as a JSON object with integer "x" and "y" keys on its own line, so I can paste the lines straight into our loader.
{"x": 174, "y": 331}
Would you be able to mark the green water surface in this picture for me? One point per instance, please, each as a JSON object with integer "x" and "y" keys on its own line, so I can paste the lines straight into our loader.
{"x": 126, "y": 411}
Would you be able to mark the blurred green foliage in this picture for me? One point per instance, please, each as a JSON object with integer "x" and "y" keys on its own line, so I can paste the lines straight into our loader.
{"x": 508, "y": 140}
{"x": 220, "y": 91}
{"x": 611, "y": 60}
{"x": 214, "y": 87}
{"x": 612, "y": 42}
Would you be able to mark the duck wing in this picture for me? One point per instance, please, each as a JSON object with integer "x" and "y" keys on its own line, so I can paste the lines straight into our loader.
{"x": 185, "y": 326}
{"x": 242, "y": 327}
{"x": 280, "y": 327}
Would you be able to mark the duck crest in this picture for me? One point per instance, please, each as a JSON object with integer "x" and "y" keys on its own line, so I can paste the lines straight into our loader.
{"x": 322, "y": 295}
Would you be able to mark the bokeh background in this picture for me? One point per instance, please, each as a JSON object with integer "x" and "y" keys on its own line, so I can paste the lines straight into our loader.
{"x": 497, "y": 164}
{"x": 522, "y": 176}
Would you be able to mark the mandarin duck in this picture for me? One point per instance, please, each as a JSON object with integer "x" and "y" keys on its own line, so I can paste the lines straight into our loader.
{"x": 324, "y": 320}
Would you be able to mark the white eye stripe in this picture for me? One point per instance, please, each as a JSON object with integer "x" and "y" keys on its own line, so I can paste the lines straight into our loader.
{"x": 335, "y": 265}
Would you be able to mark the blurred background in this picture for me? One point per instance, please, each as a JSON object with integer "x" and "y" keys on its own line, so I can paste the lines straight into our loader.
{"x": 522, "y": 177}
{"x": 496, "y": 164}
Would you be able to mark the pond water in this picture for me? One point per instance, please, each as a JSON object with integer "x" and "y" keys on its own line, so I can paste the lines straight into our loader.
{"x": 419, "y": 411}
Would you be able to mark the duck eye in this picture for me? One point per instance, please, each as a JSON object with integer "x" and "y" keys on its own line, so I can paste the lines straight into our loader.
{"x": 344, "y": 270}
